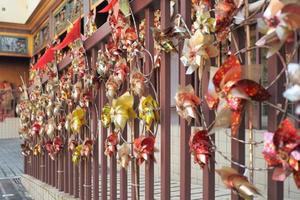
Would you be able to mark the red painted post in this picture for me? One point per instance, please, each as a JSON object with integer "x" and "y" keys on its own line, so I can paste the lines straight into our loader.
{"x": 56, "y": 172}
{"x": 88, "y": 134}
{"x": 60, "y": 169}
{"x": 165, "y": 100}
{"x": 76, "y": 180}
{"x": 48, "y": 169}
{"x": 37, "y": 167}
{"x": 209, "y": 170}
{"x": 25, "y": 165}
{"x": 32, "y": 165}
{"x": 70, "y": 164}
{"x": 238, "y": 148}
{"x": 95, "y": 161}
{"x": 123, "y": 176}
{"x": 185, "y": 129}
{"x": 113, "y": 177}
{"x": 51, "y": 171}
{"x": 149, "y": 166}
{"x": 65, "y": 163}
{"x": 275, "y": 188}
{"x": 82, "y": 168}
{"x": 43, "y": 167}
{"x": 258, "y": 59}
{"x": 103, "y": 158}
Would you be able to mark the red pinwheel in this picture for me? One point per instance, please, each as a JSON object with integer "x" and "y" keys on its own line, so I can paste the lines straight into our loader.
{"x": 144, "y": 148}
{"x": 200, "y": 147}
{"x": 57, "y": 144}
{"x": 225, "y": 11}
{"x": 87, "y": 147}
{"x": 36, "y": 129}
{"x": 227, "y": 93}
{"x": 282, "y": 151}
{"x": 111, "y": 144}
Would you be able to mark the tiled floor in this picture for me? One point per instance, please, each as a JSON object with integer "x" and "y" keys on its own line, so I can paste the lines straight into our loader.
{"x": 196, "y": 190}
{"x": 11, "y": 159}
{"x": 11, "y": 167}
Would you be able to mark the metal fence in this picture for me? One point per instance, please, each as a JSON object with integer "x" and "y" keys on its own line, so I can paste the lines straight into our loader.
{"x": 82, "y": 180}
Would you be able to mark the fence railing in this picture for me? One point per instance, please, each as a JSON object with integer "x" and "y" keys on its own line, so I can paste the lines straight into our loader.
{"x": 83, "y": 180}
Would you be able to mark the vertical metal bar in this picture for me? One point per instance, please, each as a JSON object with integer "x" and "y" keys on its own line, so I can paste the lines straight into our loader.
{"x": 38, "y": 166}
{"x": 76, "y": 180}
{"x": 238, "y": 148}
{"x": 70, "y": 168}
{"x": 250, "y": 107}
{"x": 66, "y": 169}
{"x": 275, "y": 188}
{"x": 60, "y": 172}
{"x": 165, "y": 97}
{"x": 185, "y": 129}
{"x": 209, "y": 170}
{"x": 149, "y": 170}
{"x": 258, "y": 109}
{"x": 135, "y": 169}
{"x": 82, "y": 168}
{"x": 42, "y": 167}
{"x": 123, "y": 176}
{"x": 113, "y": 177}
{"x": 48, "y": 170}
{"x": 51, "y": 172}
{"x": 35, "y": 174}
{"x": 88, "y": 165}
{"x": 33, "y": 166}
{"x": 30, "y": 165}
{"x": 56, "y": 172}
{"x": 96, "y": 148}
{"x": 103, "y": 133}
{"x": 25, "y": 165}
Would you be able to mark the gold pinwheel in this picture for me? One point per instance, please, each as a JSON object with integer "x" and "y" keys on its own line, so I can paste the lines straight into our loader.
{"x": 78, "y": 119}
{"x": 148, "y": 111}
{"x": 122, "y": 110}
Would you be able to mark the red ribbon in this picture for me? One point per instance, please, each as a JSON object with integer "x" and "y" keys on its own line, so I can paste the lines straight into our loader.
{"x": 71, "y": 36}
{"x": 49, "y": 54}
{"x": 109, "y": 6}
{"x": 46, "y": 58}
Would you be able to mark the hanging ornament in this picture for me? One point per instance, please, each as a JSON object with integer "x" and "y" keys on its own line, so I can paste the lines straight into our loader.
{"x": 148, "y": 111}
{"x": 78, "y": 119}
{"x": 186, "y": 103}
{"x": 111, "y": 144}
{"x": 282, "y": 151}
{"x": 238, "y": 183}
{"x": 227, "y": 94}
{"x": 200, "y": 147}
{"x": 144, "y": 149}
{"x": 124, "y": 155}
{"x": 87, "y": 148}
{"x": 122, "y": 110}
{"x": 76, "y": 154}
